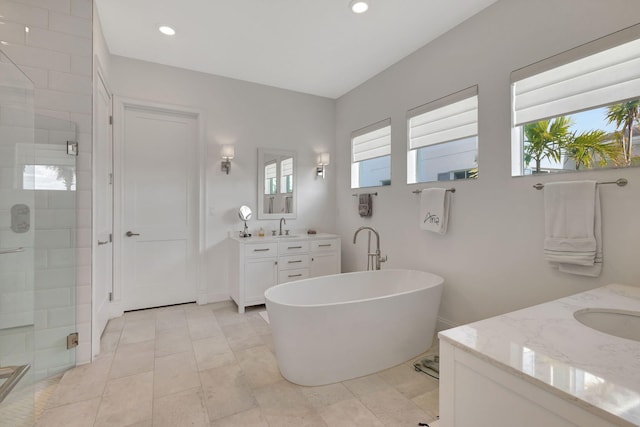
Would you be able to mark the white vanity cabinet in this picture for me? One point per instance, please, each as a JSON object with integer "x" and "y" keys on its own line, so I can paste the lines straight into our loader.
{"x": 325, "y": 257}
{"x": 259, "y": 263}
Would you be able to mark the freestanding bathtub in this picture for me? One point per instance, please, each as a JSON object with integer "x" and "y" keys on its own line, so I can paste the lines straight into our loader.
{"x": 332, "y": 328}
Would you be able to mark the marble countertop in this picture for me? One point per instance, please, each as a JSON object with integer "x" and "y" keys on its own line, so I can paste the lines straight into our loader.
{"x": 294, "y": 236}
{"x": 546, "y": 346}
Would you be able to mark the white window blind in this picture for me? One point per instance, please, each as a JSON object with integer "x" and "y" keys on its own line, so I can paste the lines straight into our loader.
{"x": 595, "y": 74}
{"x": 371, "y": 142}
{"x": 270, "y": 173}
{"x": 447, "y": 119}
{"x": 286, "y": 167}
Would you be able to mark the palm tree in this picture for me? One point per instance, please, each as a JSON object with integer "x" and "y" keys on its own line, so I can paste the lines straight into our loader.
{"x": 592, "y": 147}
{"x": 625, "y": 115}
{"x": 545, "y": 139}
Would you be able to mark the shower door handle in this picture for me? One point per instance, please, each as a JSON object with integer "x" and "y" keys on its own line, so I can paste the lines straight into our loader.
{"x": 131, "y": 233}
{"x": 11, "y": 251}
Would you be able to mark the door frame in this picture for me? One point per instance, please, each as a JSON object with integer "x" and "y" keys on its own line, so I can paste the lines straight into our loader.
{"x": 120, "y": 106}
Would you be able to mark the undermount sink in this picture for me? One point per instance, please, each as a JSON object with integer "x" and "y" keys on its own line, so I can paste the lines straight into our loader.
{"x": 619, "y": 323}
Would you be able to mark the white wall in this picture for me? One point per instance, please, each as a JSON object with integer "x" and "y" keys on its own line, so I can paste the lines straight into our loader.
{"x": 491, "y": 257}
{"x": 248, "y": 116}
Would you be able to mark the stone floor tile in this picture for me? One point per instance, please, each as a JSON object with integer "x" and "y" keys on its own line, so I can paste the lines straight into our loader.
{"x": 226, "y": 391}
{"x": 251, "y": 418}
{"x": 259, "y": 365}
{"x": 78, "y": 414}
{"x": 186, "y": 408}
{"x": 175, "y": 373}
{"x": 131, "y": 359}
{"x": 348, "y": 413}
{"x": 126, "y": 401}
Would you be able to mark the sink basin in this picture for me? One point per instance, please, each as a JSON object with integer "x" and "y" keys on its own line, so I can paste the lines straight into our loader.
{"x": 619, "y": 323}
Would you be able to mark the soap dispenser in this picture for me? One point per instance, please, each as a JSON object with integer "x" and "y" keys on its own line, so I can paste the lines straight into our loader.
{"x": 261, "y": 232}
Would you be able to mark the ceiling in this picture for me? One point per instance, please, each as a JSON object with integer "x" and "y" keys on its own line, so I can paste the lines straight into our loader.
{"x": 318, "y": 47}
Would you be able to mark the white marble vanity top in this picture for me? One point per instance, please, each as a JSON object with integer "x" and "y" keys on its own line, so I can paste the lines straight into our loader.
{"x": 294, "y": 236}
{"x": 546, "y": 346}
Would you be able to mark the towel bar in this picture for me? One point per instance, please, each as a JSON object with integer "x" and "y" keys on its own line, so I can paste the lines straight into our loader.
{"x": 373, "y": 194}
{"x": 620, "y": 182}
{"x": 452, "y": 190}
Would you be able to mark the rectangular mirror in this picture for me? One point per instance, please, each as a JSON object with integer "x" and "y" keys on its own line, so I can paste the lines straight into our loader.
{"x": 276, "y": 183}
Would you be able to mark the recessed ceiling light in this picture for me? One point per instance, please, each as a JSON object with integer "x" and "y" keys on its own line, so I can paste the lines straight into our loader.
{"x": 165, "y": 29}
{"x": 358, "y": 6}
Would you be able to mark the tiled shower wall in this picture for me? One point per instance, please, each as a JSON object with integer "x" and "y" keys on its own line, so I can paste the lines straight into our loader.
{"x": 56, "y": 54}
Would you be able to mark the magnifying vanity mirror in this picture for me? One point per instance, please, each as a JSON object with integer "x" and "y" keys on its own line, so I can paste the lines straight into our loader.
{"x": 245, "y": 214}
{"x": 276, "y": 183}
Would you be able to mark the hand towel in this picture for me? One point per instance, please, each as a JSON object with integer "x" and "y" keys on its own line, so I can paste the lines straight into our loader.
{"x": 365, "y": 204}
{"x": 595, "y": 269}
{"x": 572, "y": 215}
{"x": 434, "y": 210}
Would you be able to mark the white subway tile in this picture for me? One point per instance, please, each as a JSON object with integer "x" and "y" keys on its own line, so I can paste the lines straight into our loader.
{"x": 83, "y": 312}
{"x": 39, "y": 76}
{"x": 83, "y": 218}
{"x": 11, "y": 32}
{"x": 83, "y": 294}
{"x": 62, "y": 199}
{"x": 57, "y": 317}
{"x": 43, "y": 113}
{"x": 38, "y": 57}
{"x": 82, "y": 8}
{"x": 55, "y": 218}
{"x": 53, "y": 239}
{"x": 55, "y": 278}
{"x": 67, "y": 82}
{"x": 51, "y": 298}
{"x": 40, "y": 319}
{"x": 63, "y": 6}
{"x": 24, "y": 14}
{"x": 56, "y": 100}
{"x": 83, "y": 197}
{"x": 83, "y": 180}
{"x": 83, "y": 275}
{"x": 83, "y": 237}
{"x": 73, "y": 25}
{"x": 81, "y": 65}
{"x": 52, "y": 358}
{"x": 84, "y": 141}
{"x": 83, "y": 123}
{"x": 62, "y": 258}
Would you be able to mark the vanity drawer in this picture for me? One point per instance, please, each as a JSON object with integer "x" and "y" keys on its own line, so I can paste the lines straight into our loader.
{"x": 285, "y": 276}
{"x": 260, "y": 250}
{"x": 293, "y": 261}
{"x": 289, "y": 248}
{"x": 325, "y": 245}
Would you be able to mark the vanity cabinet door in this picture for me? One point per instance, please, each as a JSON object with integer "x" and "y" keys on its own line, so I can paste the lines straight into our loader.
{"x": 259, "y": 275}
{"x": 323, "y": 264}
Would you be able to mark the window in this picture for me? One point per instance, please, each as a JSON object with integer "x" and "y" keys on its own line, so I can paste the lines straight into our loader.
{"x": 443, "y": 138}
{"x": 286, "y": 175}
{"x": 579, "y": 109}
{"x": 371, "y": 155}
{"x": 270, "y": 178}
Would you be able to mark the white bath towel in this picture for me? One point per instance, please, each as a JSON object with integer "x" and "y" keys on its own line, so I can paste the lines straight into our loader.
{"x": 434, "y": 210}
{"x": 572, "y": 216}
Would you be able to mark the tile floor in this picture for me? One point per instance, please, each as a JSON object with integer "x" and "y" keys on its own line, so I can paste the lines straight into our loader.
{"x": 208, "y": 365}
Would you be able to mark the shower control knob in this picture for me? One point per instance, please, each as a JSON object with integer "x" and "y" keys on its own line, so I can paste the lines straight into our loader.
{"x": 131, "y": 233}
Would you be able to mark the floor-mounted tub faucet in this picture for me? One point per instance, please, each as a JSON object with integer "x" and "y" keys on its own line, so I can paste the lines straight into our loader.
{"x": 374, "y": 259}
{"x": 281, "y": 221}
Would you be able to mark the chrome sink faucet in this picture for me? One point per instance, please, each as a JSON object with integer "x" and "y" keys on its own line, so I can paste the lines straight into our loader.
{"x": 281, "y": 221}
{"x": 374, "y": 259}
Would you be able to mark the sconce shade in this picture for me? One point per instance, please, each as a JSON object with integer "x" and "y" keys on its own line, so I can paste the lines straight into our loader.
{"x": 227, "y": 152}
{"x": 324, "y": 159}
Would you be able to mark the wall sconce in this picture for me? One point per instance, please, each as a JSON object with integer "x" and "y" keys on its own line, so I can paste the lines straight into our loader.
{"x": 323, "y": 161}
{"x": 226, "y": 153}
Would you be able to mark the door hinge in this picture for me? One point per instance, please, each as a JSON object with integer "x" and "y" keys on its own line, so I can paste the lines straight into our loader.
{"x": 110, "y": 178}
{"x": 110, "y": 296}
{"x": 110, "y": 238}
{"x": 110, "y": 120}
{"x": 72, "y": 340}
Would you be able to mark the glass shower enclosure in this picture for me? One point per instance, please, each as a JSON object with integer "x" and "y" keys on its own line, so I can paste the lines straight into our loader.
{"x": 37, "y": 247}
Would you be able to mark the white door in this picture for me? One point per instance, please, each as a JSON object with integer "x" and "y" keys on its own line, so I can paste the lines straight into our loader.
{"x": 103, "y": 213}
{"x": 158, "y": 207}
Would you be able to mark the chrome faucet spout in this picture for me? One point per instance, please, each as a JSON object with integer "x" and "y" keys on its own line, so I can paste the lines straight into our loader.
{"x": 372, "y": 256}
{"x": 281, "y": 221}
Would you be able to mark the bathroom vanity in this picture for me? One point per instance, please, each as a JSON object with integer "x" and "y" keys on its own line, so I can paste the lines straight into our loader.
{"x": 257, "y": 263}
{"x": 541, "y": 367}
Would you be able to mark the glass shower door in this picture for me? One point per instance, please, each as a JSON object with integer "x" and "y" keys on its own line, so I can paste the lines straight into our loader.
{"x": 17, "y": 248}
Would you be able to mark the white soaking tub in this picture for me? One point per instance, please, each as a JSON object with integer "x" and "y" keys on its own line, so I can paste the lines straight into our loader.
{"x": 333, "y": 328}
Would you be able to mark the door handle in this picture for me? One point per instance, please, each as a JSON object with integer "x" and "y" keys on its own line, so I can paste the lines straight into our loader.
{"x": 131, "y": 233}
{"x": 102, "y": 243}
